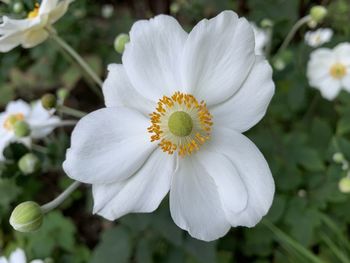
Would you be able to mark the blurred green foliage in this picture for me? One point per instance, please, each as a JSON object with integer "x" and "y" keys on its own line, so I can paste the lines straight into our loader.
{"x": 310, "y": 217}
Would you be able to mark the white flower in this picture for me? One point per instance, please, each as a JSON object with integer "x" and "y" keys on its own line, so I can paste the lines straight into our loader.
{"x": 262, "y": 38}
{"x": 328, "y": 70}
{"x": 38, "y": 119}
{"x": 31, "y": 31}
{"x": 175, "y": 112}
{"x": 18, "y": 256}
{"x": 318, "y": 37}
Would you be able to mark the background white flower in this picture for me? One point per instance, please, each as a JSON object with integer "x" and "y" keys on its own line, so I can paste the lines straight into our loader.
{"x": 18, "y": 256}
{"x": 318, "y": 37}
{"x": 262, "y": 38}
{"x": 328, "y": 70}
{"x": 217, "y": 178}
{"x": 35, "y": 115}
{"x": 31, "y": 31}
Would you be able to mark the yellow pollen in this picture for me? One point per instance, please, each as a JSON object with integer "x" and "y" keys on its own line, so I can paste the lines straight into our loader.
{"x": 338, "y": 71}
{"x": 189, "y": 134}
{"x": 34, "y": 13}
{"x": 12, "y": 120}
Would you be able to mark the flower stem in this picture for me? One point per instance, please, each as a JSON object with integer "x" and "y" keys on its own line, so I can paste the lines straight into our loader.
{"x": 56, "y": 125}
{"x": 72, "y": 112}
{"x": 292, "y": 32}
{"x": 81, "y": 62}
{"x": 60, "y": 199}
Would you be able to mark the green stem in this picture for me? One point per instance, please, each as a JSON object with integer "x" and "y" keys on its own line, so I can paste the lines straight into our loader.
{"x": 81, "y": 62}
{"x": 60, "y": 199}
{"x": 337, "y": 252}
{"x": 72, "y": 112}
{"x": 292, "y": 32}
{"x": 284, "y": 238}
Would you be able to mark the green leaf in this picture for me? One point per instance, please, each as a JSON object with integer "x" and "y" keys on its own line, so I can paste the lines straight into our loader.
{"x": 115, "y": 246}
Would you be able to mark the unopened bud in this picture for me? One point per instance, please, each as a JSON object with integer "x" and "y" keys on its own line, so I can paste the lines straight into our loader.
{"x": 120, "y": 41}
{"x": 62, "y": 94}
{"x": 318, "y": 13}
{"x": 338, "y": 157}
{"x": 107, "y": 11}
{"x": 17, "y": 7}
{"x": 48, "y": 101}
{"x": 174, "y": 8}
{"x": 29, "y": 163}
{"x": 21, "y": 129}
{"x": 27, "y": 217}
{"x": 266, "y": 23}
{"x": 344, "y": 185}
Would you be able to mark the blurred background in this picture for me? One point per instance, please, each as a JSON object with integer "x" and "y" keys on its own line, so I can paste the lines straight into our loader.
{"x": 310, "y": 217}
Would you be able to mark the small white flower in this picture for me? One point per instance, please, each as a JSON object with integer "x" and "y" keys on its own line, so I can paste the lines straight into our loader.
{"x": 18, "y": 256}
{"x": 36, "y": 116}
{"x": 176, "y": 110}
{"x": 318, "y": 37}
{"x": 262, "y": 38}
{"x": 328, "y": 70}
{"x": 31, "y": 31}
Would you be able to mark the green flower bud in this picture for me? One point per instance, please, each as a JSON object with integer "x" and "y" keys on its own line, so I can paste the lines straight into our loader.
{"x": 266, "y": 23}
{"x": 318, "y": 13}
{"x": 21, "y": 129}
{"x": 174, "y": 8}
{"x": 29, "y": 163}
{"x": 62, "y": 94}
{"x": 120, "y": 41}
{"x": 27, "y": 217}
{"x": 338, "y": 157}
{"x": 344, "y": 185}
{"x": 17, "y": 7}
{"x": 49, "y": 101}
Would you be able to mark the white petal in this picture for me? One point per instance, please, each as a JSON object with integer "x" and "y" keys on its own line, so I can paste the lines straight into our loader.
{"x": 346, "y": 81}
{"x": 18, "y": 106}
{"x": 39, "y": 118}
{"x": 152, "y": 58}
{"x": 34, "y": 37}
{"x": 118, "y": 91}
{"x": 3, "y": 260}
{"x": 330, "y": 88}
{"x": 8, "y": 42}
{"x": 59, "y": 10}
{"x": 142, "y": 192}
{"x": 5, "y": 139}
{"x": 37, "y": 261}
{"x": 18, "y": 256}
{"x": 108, "y": 145}
{"x": 9, "y": 25}
{"x": 253, "y": 170}
{"x": 217, "y": 57}
{"x": 342, "y": 52}
{"x": 246, "y": 108}
{"x": 232, "y": 191}
{"x": 195, "y": 203}
{"x": 47, "y": 5}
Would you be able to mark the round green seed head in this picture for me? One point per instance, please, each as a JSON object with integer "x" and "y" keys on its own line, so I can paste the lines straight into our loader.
{"x": 49, "y": 101}
{"x": 29, "y": 164}
{"x": 318, "y": 13}
{"x": 21, "y": 129}
{"x": 180, "y": 124}
{"x": 120, "y": 41}
{"x": 27, "y": 217}
{"x": 17, "y": 7}
{"x": 344, "y": 185}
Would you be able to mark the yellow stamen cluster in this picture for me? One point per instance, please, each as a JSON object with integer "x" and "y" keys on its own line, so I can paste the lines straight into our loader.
{"x": 169, "y": 142}
{"x": 35, "y": 12}
{"x": 338, "y": 71}
{"x": 12, "y": 120}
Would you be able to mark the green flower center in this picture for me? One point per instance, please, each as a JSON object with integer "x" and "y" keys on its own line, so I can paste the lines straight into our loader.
{"x": 180, "y": 124}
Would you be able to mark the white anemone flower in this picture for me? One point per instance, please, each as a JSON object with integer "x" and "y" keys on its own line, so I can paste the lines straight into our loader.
{"x": 31, "y": 31}
{"x": 318, "y": 37}
{"x": 262, "y": 38}
{"x": 41, "y": 122}
{"x": 329, "y": 70}
{"x": 18, "y": 256}
{"x": 175, "y": 112}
